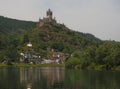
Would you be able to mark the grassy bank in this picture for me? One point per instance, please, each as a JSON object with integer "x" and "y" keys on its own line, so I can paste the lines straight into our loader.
{"x": 32, "y": 65}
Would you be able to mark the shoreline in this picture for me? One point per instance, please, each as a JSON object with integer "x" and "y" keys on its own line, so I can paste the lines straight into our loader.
{"x": 33, "y": 65}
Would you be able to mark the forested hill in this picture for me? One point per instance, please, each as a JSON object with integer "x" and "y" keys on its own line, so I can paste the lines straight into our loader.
{"x": 60, "y": 38}
{"x": 13, "y": 26}
{"x": 85, "y": 50}
{"x": 49, "y": 36}
{"x": 88, "y": 52}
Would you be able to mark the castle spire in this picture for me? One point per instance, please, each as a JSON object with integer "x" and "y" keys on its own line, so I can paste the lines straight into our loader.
{"x": 49, "y": 13}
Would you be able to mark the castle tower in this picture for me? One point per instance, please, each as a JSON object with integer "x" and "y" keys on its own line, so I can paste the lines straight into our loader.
{"x": 48, "y": 19}
{"x": 49, "y": 14}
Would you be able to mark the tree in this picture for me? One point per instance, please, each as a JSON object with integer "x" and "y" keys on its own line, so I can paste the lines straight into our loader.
{"x": 58, "y": 46}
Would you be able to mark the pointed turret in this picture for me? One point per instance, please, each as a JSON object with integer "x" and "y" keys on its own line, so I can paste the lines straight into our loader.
{"x": 49, "y": 13}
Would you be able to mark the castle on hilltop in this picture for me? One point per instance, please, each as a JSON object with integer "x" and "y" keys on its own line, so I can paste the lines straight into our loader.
{"x": 48, "y": 19}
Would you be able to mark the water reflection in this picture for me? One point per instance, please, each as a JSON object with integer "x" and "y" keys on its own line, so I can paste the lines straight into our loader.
{"x": 42, "y": 77}
{"x": 92, "y": 79}
{"x": 57, "y": 78}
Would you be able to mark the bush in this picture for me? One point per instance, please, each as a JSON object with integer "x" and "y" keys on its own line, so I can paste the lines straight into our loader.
{"x": 117, "y": 68}
{"x": 72, "y": 62}
{"x": 100, "y": 67}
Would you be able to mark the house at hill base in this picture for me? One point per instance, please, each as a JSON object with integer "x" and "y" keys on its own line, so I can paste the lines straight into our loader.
{"x": 30, "y": 56}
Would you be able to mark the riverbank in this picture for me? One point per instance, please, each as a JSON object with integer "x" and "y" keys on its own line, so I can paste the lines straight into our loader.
{"x": 32, "y": 65}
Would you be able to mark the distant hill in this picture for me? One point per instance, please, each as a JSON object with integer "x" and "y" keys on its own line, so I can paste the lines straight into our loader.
{"x": 13, "y": 26}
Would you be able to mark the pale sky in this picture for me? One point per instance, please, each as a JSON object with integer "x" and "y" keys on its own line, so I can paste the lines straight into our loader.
{"x": 98, "y": 17}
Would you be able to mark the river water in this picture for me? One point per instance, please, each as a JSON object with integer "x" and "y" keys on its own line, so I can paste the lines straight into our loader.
{"x": 57, "y": 78}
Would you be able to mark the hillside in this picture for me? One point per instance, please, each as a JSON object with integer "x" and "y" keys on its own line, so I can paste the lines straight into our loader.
{"x": 85, "y": 50}
{"x": 49, "y": 36}
{"x": 13, "y": 26}
{"x": 60, "y": 38}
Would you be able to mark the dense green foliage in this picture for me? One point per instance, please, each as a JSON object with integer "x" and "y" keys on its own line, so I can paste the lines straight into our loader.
{"x": 59, "y": 38}
{"x": 13, "y": 26}
{"x": 10, "y": 29}
{"x": 85, "y": 51}
{"x": 105, "y": 56}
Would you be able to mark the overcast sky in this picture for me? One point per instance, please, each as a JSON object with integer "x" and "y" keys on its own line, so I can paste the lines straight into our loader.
{"x": 98, "y": 17}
